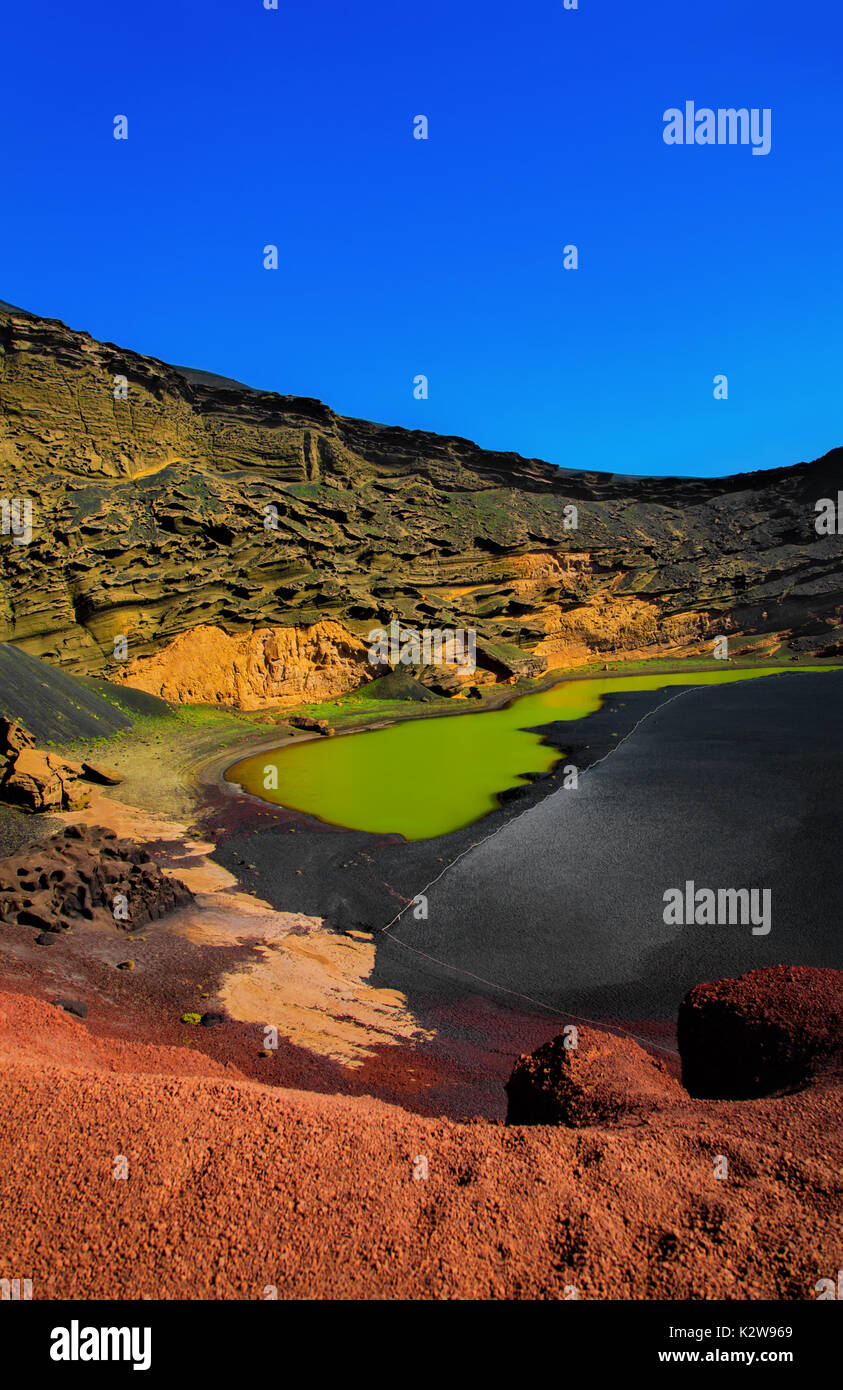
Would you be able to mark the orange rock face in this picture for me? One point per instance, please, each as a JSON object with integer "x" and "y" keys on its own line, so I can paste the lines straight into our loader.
{"x": 39, "y": 781}
{"x": 250, "y": 670}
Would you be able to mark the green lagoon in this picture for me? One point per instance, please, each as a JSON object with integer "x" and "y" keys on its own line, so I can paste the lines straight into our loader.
{"x": 425, "y": 777}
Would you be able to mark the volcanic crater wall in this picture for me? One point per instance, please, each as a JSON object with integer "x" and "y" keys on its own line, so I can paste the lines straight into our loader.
{"x": 199, "y": 506}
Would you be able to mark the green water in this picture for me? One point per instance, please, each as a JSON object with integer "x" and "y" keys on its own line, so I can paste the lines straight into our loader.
{"x": 426, "y": 777}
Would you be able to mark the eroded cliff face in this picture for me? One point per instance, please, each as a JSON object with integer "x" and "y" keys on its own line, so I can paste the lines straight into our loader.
{"x": 245, "y": 543}
{"x": 254, "y": 669}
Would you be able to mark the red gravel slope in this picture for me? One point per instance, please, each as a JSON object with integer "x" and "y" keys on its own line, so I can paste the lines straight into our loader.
{"x": 234, "y": 1188}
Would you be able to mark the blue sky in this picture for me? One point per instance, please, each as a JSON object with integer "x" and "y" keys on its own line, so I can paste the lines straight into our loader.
{"x": 444, "y": 257}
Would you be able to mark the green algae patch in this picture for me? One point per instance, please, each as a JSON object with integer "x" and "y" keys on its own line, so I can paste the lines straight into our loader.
{"x": 426, "y": 777}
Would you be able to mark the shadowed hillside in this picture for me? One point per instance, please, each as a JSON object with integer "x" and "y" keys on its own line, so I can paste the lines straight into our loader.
{"x": 56, "y": 707}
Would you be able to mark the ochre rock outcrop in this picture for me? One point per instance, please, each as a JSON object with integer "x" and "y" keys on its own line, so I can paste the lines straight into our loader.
{"x": 75, "y": 877}
{"x": 271, "y": 666}
{"x": 33, "y": 780}
{"x": 199, "y": 506}
{"x": 37, "y": 781}
{"x": 769, "y": 1030}
{"x": 602, "y": 1080}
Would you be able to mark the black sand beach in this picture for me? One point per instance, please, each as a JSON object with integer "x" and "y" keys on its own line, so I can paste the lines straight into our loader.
{"x": 557, "y": 898}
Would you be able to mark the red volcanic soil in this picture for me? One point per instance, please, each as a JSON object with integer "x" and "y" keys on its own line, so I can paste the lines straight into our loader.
{"x": 234, "y": 1188}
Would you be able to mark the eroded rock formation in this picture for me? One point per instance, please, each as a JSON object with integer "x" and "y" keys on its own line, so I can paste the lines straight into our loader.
{"x": 75, "y": 877}
{"x": 37, "y": 781}
{"x": 251, "y": 669}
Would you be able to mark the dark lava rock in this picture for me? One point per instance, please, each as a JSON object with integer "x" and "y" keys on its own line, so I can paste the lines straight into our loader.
{"x": 770, "y": 1030}
{"x": 305, "y": 721}
{"x": 212, "y": 1020}
{"x": 72, "y": 1006}
{"x": 45, "y": 938}
{"x": 604, "y": 1080}
{"x": 76, "y": 876}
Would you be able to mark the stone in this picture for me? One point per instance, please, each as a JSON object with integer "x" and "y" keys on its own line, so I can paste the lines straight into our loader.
{"x": 37, "y": 781}
{"x": 75, "y": 876}
{"x": 773, "y": 1029}
{"x": 306, "y": 721}
{"x": 604, "y": 1080}
{"x": 98, "y": 772}
{"x": 13, "y": 738}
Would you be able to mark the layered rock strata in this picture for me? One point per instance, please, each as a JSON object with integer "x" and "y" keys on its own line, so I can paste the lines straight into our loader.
{"x": 244, "y": 543}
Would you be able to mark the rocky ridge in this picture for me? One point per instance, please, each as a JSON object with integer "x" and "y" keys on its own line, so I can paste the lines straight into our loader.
{"x": 257, "y": 538}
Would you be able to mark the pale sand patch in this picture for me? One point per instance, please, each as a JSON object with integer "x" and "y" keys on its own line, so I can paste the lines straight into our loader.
{"x": 310, "y": 984}
{"x": 313, "y": 988}
{"x": 203, "y": 876}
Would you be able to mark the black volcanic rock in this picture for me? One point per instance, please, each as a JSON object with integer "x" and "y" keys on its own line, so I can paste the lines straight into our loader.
{"x": 399, "y": 685}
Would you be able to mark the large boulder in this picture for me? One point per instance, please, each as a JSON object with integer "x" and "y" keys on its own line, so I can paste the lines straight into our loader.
{"x": 770, "y": 1030}
{"x": 101, "y": 772}
{"x": 586, "y": 1077}
{"x": 38, "y": 781}
{"x": 306, "y": 721}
